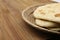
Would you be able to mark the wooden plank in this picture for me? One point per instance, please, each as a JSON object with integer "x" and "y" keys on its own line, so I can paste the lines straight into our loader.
{"x": 12, "y": 26}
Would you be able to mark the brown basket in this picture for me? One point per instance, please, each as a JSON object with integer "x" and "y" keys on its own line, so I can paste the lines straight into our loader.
{"x": 28, "y": 17}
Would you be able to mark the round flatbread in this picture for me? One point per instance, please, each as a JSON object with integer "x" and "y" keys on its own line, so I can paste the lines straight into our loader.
{"x": 46, "y": 24}
{"x": 49, "y": 12}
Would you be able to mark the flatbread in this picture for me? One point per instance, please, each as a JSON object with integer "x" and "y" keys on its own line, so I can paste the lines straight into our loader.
{"x": 46, "y": 24}
{"x": 49, "y": 12}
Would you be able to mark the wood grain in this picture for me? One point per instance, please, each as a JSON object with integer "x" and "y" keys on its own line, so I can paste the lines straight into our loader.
{"x": 12, "y": 26}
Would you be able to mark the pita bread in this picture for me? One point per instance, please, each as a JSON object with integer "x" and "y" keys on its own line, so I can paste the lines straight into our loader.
{"x": 43, "y": 23}
{"x": 49, "y": 12}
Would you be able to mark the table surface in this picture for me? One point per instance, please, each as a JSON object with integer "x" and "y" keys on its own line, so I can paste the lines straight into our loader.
{"x": 12, "y": 26}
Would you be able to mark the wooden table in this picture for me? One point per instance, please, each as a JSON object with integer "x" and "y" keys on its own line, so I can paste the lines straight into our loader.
{"x": 12, "y": 26}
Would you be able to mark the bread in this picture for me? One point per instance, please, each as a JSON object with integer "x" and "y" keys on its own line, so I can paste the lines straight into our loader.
{"x": 43, "y": 23}
{"x": 55, "y": 29}
{"x": 49, "y": 12}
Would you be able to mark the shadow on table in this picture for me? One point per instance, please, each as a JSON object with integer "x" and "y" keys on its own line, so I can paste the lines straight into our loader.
{"x": 49, "y": 36}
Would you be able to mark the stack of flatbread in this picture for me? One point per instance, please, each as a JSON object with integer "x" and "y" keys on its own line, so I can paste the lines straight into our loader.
{"x": 48, "y": 16}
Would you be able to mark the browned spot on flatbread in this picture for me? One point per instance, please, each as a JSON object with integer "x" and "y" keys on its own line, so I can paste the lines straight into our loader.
{"x": 41, "y": 12}
{"x": 57, "y": 15}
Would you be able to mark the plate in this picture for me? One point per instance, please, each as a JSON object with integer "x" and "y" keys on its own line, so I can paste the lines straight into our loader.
{"x": 56, "y": 0}
{"x": 27, "y": 16}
